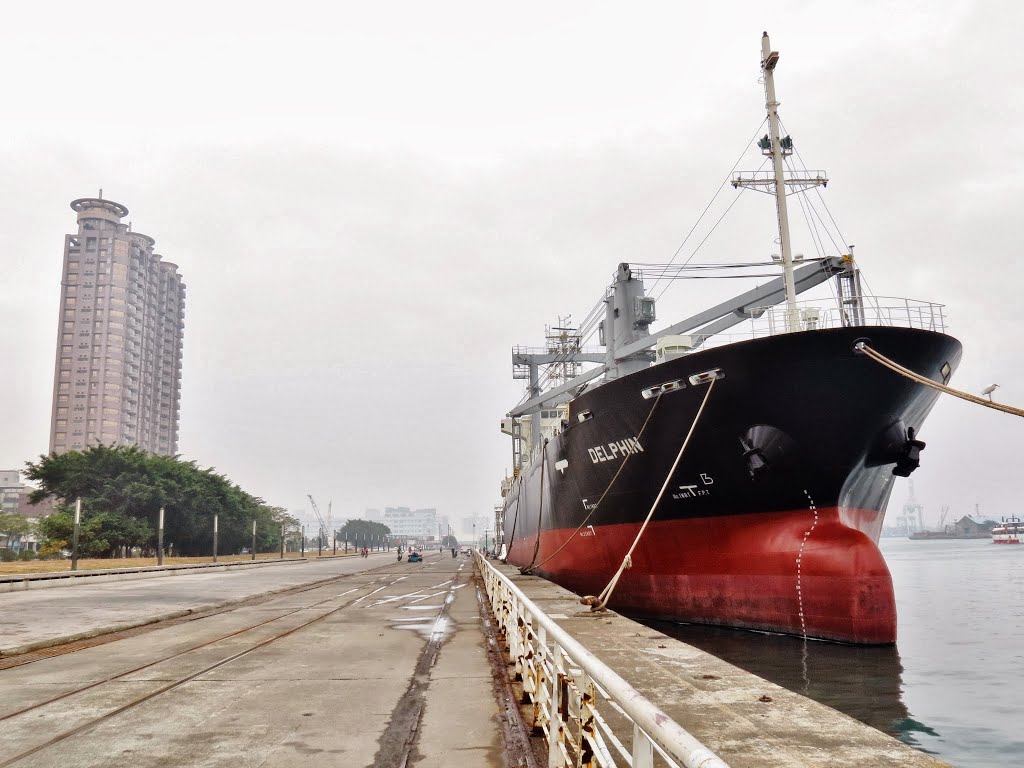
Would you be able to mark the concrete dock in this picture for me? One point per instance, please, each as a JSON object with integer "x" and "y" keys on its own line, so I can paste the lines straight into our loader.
{"x": 378, "y": 664}
{"x": 353, "y": 661}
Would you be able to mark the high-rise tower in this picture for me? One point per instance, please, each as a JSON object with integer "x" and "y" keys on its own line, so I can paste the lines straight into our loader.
{"x": 117, "y": 377}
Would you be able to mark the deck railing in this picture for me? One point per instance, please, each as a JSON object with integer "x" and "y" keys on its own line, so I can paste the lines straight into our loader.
{"x": 575, "y": 696}
{"x": 813, "y": 315}
{"x": 890, "y": 311}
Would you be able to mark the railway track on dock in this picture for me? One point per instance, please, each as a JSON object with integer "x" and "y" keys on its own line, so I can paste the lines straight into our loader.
{"x": 324, "y": 608}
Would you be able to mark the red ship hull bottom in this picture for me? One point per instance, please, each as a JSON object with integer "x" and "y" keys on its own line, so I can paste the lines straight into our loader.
{"x": 813, "y": 573}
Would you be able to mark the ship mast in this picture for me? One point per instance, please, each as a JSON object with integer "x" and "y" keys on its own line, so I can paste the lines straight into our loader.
{"x": 769, "y": 59}
{"x": 778, "y": 148}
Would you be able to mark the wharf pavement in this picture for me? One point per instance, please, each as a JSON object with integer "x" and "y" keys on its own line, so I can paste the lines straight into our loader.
{"x": 377, "y": 663}
{"x": 359, "y": 662}
{"x": 746, "y": 720}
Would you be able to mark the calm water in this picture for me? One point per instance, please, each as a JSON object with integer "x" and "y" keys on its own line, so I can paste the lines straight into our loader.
{"x": 954, "y": 684}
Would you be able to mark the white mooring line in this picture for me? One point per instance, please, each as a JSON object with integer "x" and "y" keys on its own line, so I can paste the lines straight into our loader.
{"x": 569, "y": 687}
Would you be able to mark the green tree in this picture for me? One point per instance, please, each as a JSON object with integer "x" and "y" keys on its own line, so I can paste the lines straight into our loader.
{"x": 12, "y": 527}
{"x": 364, "y": 533}
{"x": 120, "y": 483}
{"x": 101, "y": 534}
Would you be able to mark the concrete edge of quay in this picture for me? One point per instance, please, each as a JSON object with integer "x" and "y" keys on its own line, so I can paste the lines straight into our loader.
{"x": 745, "y": 719}
{"x": 48, "y": 579}
{"x": 196, "y": 611}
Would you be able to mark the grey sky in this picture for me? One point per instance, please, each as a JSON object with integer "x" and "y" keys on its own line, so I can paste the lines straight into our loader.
{"x": 371, "y": 203}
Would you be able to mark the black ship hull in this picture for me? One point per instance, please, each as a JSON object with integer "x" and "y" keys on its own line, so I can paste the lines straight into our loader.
{"x": 772, "y": 517}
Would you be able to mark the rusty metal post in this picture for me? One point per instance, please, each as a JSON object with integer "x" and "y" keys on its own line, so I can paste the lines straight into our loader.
{"x": 160, "y": 538}
{"x": 74, "y": 535}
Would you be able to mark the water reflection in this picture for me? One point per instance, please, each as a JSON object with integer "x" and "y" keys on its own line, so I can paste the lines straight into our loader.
{"x": 865, "y": 683}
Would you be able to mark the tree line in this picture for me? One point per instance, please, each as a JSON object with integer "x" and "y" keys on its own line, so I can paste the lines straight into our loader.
{"x": 365, "y": 533}
{"x": 122, "y": 489}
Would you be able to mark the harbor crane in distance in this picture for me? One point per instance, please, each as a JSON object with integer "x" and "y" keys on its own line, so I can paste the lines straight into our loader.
{"x": 324, "y": 524}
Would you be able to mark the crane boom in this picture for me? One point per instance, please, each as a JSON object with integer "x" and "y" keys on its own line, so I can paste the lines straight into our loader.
{"x": 319, "y": 517}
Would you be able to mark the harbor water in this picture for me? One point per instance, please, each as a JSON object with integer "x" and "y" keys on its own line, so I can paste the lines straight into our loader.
{"x": 954, "y": 684}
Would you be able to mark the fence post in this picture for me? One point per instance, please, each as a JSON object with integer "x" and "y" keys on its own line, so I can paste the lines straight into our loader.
{"x": 74, "y": 536}
{"x": 160, "y": 539}
{"x": 643, "y": 750}
{"x": 556, "y": 704}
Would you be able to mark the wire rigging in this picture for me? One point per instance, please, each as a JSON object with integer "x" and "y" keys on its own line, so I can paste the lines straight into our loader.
{"x": 728, "y": 178}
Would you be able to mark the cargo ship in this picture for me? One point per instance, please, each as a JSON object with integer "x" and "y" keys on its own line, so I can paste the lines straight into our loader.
{"x": 768, "y": 518}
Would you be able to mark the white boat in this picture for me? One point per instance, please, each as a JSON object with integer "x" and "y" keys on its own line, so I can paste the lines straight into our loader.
{"x": 1009, "y": 531}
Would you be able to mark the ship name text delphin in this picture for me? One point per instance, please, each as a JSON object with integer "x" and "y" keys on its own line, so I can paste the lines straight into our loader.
{"x": 614, "y": 450}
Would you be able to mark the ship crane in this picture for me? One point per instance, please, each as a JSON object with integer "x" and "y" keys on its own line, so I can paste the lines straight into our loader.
{"x": 629, "y": 312}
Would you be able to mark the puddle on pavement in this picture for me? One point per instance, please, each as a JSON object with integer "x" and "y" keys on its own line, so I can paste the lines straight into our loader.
{"x": 437, "y": 628}
{"x": 424, "y": 628}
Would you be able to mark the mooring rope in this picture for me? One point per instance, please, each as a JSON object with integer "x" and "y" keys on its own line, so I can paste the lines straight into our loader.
{"x": 881, "y": 359}
{"x": 515, "y": 519}
{"x": 540, "y": 507}
{"x": 608, "y": 488}
{"x": 600, "y": 602}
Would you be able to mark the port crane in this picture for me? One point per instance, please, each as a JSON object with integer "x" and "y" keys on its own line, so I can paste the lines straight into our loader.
{"x": 325, "y": 525}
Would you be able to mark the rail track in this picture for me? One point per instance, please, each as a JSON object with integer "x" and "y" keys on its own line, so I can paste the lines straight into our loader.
{"x": 370, "y": 588}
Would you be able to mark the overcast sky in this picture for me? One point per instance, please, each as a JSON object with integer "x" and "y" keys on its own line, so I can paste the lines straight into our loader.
{"x": 372, "y": 202}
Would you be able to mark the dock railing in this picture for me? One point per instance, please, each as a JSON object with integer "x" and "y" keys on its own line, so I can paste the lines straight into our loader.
{"x": 574, "y": 694}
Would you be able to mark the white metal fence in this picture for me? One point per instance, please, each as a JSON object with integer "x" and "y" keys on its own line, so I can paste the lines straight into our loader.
{"x": 576, "y": 698}
{"x": 892, "y": 311}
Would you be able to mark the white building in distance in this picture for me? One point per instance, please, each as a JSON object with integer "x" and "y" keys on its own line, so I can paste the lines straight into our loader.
{"x": 411, "y": 523}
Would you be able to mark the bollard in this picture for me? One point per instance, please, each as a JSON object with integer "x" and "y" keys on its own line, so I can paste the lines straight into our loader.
{"x": 253, "y": 539}
{"x": 160, "y": 538}
{"x": 282, "y": 542}
{"x": 215, "y": 538}
{"x": 319, "y": 545}
{"x": 335, "y": 543}
{"x": 74, "y": 536}
{"x": 302, "y": 546}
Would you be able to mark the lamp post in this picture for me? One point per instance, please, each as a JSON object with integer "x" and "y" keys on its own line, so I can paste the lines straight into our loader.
{"x": 160, "y": 538}
{"x": 74, "y": 535}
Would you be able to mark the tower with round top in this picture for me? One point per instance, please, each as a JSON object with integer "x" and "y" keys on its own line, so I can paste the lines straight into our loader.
{"x": 117, "y": 374}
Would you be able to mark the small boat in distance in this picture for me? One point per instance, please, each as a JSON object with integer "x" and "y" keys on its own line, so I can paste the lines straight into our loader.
{"x": 1009, "y": 531}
